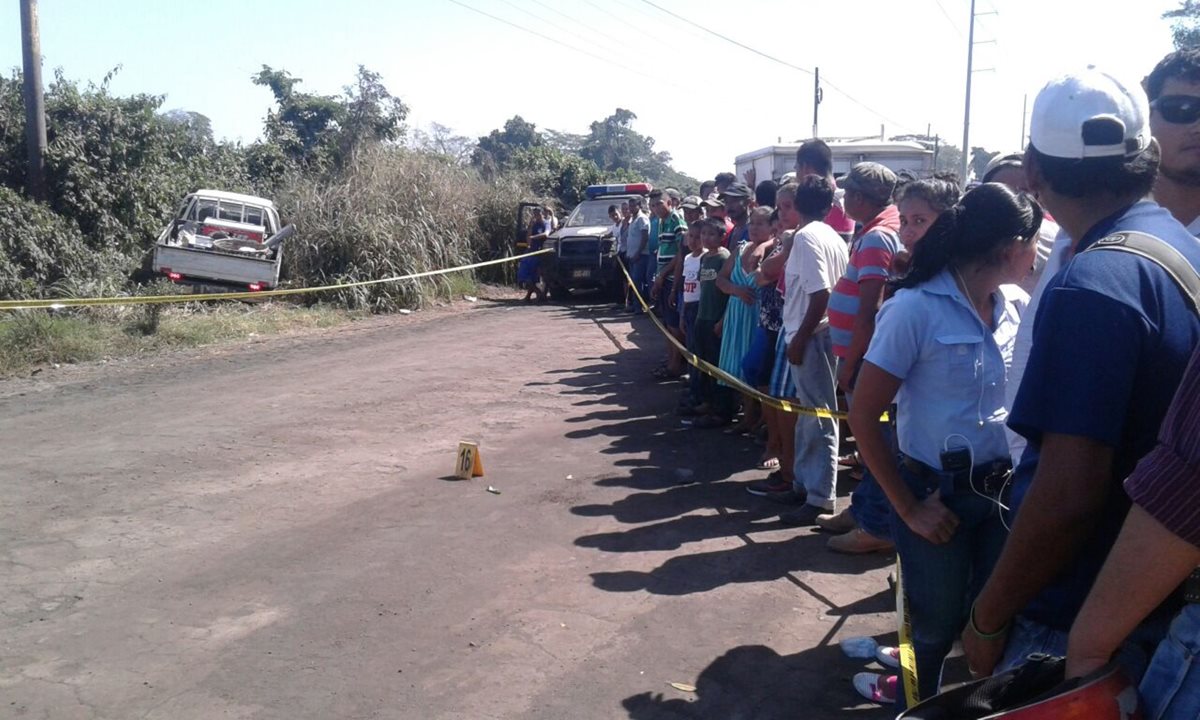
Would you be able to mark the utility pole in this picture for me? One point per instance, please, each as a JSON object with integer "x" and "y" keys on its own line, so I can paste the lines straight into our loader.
{"x": 35, "y": 112}
{"x": 967, "y": 112}
{"x": 1024, "y": 116}
{"x": 966, "y": 146}
{"x": 818, "y": 96}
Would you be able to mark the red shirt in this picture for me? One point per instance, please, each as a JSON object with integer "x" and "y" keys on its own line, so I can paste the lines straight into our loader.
{"x": 837, "y": 217}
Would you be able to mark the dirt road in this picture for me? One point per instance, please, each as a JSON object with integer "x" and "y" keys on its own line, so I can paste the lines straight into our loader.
{"x": 266, "y": 531}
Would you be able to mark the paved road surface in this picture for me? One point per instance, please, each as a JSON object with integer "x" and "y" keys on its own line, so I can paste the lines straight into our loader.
{"x": 266, "y": 531}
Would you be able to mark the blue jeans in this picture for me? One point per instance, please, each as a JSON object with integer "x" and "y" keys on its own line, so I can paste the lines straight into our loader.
{"x": 1028, "y": 637}
{"x": 695, "y": 377}
{"x": 637, "y": 270}
{"x": 1170, "y": 689}
{"x": 941, "y": 581}
{"x": 815, "y": 466}
{"x": 870, "y": 508}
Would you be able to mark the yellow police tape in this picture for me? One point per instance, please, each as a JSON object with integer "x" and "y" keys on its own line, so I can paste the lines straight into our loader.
{"x": 908, "y": 656}
{"x": 197, "y": 297}
{"x": 713, "y": 370}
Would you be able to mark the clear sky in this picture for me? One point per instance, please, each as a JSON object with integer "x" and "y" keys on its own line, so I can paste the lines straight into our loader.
{"x": 704, "y": 99}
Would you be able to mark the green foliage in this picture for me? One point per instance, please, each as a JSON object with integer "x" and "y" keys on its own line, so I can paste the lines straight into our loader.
{"x": 615, "y": 147}
{"x": 37, "y": 247}
{"x": 323, "y": 131}
{"x": 979, "y": 161}
{"x": 494, "y": 152}
{"x": 115, "y": 166}
{"x": 1185, "y": 29}
{"x": 554, "y": 173}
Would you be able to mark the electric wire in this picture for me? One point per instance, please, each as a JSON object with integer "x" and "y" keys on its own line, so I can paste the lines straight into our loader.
{"x": 825, "y": 81}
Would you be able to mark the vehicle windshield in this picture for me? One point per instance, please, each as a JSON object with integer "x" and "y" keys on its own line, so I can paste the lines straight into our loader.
{"x": 593, "y": 213}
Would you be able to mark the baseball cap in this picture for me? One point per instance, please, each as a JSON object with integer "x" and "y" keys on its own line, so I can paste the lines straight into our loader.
{"x": 1001, "y": 161}
{"x": 1090, "y": 114}
{"x": 691, "y": 202}
{"x": 871, "y": 179}
{"x": 712, "y": 201}
{"x": 738, "y": 190}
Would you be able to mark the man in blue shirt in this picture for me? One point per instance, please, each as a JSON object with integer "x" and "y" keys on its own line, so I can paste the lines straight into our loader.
{"x": 1111, "y": 339}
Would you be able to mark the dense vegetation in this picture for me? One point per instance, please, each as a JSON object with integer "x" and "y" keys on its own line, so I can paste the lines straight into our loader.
{"x": 371, "y": 197}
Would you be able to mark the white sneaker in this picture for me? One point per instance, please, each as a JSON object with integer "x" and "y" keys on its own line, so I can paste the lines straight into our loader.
{"x": 876, "y": 688}
{"x": 888, "y": 656}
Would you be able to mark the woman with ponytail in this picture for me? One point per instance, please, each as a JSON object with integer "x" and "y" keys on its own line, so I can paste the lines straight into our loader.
{"x": 941, "y": 349}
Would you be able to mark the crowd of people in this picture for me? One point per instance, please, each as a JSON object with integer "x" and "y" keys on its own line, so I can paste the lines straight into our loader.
{"x": 1006, "y": 357}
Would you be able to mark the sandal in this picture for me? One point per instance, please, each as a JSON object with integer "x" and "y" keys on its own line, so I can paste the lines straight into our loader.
{"x": 771, "y": 463}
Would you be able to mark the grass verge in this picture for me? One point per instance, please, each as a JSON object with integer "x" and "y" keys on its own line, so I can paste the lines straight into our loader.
{"x": 37, "y": 337}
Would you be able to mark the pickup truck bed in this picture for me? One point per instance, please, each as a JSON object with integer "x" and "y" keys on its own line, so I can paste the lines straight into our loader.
{"x": 217, "y": 267}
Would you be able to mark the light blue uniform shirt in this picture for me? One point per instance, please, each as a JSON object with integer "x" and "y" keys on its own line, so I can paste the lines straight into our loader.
{"x": 952, "y": 366}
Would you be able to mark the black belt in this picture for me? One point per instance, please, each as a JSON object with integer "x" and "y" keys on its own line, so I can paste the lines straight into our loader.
{"x": 988, "y": 478}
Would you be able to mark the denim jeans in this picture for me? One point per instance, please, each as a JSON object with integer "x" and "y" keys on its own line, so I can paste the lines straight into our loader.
{"x": 941, "y": 581}
{"x": 637, "y": 271}
{"x": 870, "y": 508}
{"x": 815, "y": 466}
{"x": 695, "y": 378}
{"x": 1028, "y": 637}
{"x": 1170, "y": 689}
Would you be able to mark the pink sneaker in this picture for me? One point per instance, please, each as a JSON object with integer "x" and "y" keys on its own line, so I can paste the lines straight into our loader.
{"x": 876, "y": 688}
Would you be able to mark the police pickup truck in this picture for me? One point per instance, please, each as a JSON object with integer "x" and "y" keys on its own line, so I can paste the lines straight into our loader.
{"x": 585, "y": 251}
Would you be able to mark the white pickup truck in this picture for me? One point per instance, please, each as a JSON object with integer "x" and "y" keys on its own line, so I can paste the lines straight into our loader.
{"x": 223, "y": 239}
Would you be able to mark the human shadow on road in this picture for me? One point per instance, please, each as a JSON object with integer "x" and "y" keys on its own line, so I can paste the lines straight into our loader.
{"x": 749, "y": 563}
{"x": 755, "y": 681}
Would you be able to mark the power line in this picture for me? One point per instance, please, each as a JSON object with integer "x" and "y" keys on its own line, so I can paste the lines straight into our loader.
{"x": 580, "y": 23}
{"x": 560, "y": 43}
{"x": 785, "y": 63}
{"x": 948, "y": 18}
{"x": 716, "y": 34}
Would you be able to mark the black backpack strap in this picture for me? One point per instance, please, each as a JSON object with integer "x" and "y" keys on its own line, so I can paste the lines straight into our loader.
{"x": 1157, "y": 250}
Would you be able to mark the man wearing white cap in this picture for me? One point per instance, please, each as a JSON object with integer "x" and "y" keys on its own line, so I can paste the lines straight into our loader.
{"x": 1111, "y": 340}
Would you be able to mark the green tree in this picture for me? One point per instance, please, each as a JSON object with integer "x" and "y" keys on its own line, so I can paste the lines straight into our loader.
{"x": 327, "y": 130}
{"x": 979, "y": 161}
{"x": 552, "y": 172}
{"x": 1185, "y": 27}
{"x": 493, "y": 154}
{"x": 615, "y": 147}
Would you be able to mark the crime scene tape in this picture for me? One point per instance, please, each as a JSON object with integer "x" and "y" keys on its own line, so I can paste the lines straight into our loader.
{"x": 710, "y": 369}
{"x": 908, "y": 656}
{"x": 57, "y": 303}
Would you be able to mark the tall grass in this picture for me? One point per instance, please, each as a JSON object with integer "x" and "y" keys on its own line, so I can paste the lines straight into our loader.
{"x": 394, "y": 212}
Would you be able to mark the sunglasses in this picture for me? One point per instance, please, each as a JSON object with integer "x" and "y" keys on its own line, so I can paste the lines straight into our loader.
{"x": 1178, "y": 109}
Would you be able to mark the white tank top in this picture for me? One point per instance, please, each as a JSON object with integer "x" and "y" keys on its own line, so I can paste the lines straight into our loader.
{"x": 691, "y": 277}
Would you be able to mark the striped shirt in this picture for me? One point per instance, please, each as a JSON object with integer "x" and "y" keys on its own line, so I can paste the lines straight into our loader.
{"x": 1166, "y": 483}
{"x": 870, "y": 258}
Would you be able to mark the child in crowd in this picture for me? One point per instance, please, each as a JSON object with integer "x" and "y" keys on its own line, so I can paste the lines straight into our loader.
{"x": 716, "y": 400}
{"x": 689, "y": 302}
{"x": 741, "y": 316}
